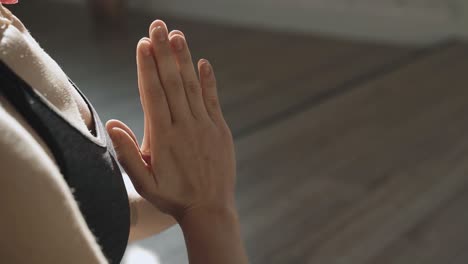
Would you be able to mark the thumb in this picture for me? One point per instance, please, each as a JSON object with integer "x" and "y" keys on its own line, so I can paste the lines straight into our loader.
{"x": 131, "y": 160}
{"x": 117, "y": 123}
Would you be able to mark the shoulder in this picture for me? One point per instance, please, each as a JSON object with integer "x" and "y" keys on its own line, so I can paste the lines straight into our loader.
{"x": 38, "y": 205}
{"x": 23, "y": 55}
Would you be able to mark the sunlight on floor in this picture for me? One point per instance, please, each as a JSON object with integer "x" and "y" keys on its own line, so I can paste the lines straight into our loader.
{"x": 139, "y": 255}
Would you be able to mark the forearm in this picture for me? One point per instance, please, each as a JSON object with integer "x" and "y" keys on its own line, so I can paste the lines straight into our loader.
{"x": 213, "y": 237}
{"x": 146, "y": 220}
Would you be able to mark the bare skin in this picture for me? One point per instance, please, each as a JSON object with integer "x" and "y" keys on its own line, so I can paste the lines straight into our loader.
{"x": 210, "y": 218}
{"x": 186, "y": 164}
{"x": 147, "y": 220}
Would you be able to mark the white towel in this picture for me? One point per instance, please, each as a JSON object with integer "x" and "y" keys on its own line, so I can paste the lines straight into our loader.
{"x": 20, "y": 51}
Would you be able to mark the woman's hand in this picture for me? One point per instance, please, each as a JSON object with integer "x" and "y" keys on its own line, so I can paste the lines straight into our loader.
{"x": 186, "y": 162}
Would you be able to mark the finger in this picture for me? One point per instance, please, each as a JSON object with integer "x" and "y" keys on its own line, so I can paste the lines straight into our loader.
{"x": 145, "y": 153}
{"x": 145, "y": 144}
{"x": 169, "y": 74}
{"x": 129, "y": 157}
{"x": 176, "y": 32}
{"x": 209, "y": 90}
{"x": 156, "y": 24}
{"x": 189, "y": 76}
{"x": 117, "y": 123}
{"x": 155, "y": 101}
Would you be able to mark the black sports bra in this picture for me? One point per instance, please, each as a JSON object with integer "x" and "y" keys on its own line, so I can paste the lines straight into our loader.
{"x": 88, "y": 164}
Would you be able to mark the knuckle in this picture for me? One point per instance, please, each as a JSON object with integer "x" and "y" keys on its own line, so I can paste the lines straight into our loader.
{"x": 211, "y": 80}
{"x": 164, "y": 52}
{"x": 185, "y": 58}
{"x": 172, "y": 81}
{"x": 212, "y": 102}
{"x": 193, "y": 86}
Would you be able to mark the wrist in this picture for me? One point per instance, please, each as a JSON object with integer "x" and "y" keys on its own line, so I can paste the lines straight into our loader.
{"x": 213, "y": 235}
{"x": 210, "y": 215}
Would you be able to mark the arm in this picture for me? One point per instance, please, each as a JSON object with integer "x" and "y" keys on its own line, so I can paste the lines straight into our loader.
{"x": 40, "y": 219}
{"x": 213, "y": 236}
{"x": 146, "y": 219}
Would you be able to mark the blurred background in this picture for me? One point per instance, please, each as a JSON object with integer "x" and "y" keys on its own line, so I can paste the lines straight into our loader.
{"x": 350, "y": 117}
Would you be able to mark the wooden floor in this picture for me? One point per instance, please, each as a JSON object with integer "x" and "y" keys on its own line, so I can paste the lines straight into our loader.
{"x": 348, "y": 152}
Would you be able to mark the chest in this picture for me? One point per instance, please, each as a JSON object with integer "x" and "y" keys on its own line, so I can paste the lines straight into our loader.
{"x": 87, "y": 164}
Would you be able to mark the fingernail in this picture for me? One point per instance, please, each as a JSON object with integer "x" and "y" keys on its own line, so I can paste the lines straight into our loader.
{"x": 144, "y": 46}
{"x": 160, "y": 34}
{"x": 146, "y": 50}
{"x": 206, "y": 67}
